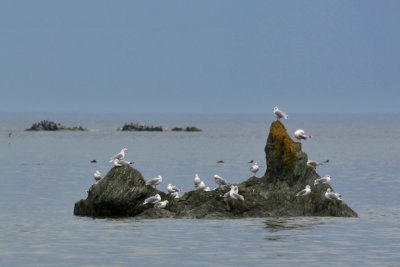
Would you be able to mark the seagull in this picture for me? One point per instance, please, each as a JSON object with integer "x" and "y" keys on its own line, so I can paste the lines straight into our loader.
{"x": 279, "y": 114}
{"x": 9, "y": 134}
{"x": 172, "y": 188}
{"x": 97, "y": 176}
{"x": 93, "y": 161}
{"x": 207, "y": 189}
{"x": 251, "y": 161}
{"x": 220, "y": 161}
{"x": 304, "y": 192}
{"x": 175, "y": 194}
{"x": 201, "y": 186}
{"x": 323, "y": 180}
{"x": 254, "y": 169}
{"x": 332, "y": 195}
{"x": 120, "y": 155}
{"x": 220, "y": 181}
{"x": 300, "y": 134}
{"x": 161, "y": 205}
{"x": 196, "y": 180}
{"x": 314, "y": 164}
{"x": 234, "y": 193}
{"x": 151, "y": 200}
{"x": 121, "y": 162}
{"x": 155, "y": 181}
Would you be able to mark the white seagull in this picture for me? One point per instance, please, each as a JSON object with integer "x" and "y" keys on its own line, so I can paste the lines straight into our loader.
{"x": 161, "y": 205}
{"x": 332, "y": 195}
{"x": 279, "y": 114}
{"x": 172, "y": 188}
{"x": 121, "y": 162}
{"x": 254, "y": 169}
{"x": 304, "y": 192}
{"x": 301, "y": 135}
{"x": 154, "y": 181}
{"x": 175, "y": 194}
{"x": 196, "y": 180}
{"x": 151, "y": 200}
{"x": 120, "y": 155}
{"x": 97, "y": 175}
{"x": 323, "y": 180}
{"x": 201, "y": 185}
{"x": 315, "y": 164}
{"x": 220, "y": 181}
{"x": 234, "y": 193}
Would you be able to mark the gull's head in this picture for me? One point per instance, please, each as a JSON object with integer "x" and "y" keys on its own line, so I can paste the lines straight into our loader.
{"x": 166, "y": 201}
{"x": 275, "y": 109}
{"x": 125, "y": 150}
{"x": 158, "y": 196}
{"x": 307, "y": 186}
{"x": 328, "y": 190}
{"x": 169, "y": 185}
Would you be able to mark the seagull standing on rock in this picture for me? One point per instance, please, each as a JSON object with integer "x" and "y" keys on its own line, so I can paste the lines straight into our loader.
{"x": 332, "y": 195}
{"x": 97, "y": 176}
{"x": 172, "y": 188}
{"x": 201, "y": 186}
{"x": 196, "y": 180}
{"x": 155, "y": 181}
{"x": 254, "y": 169}
{"x": 234, "y": 193}
{"x": 323, "y": 180}
{"x": 220, "y": 181}
{"x": 175, "y": 194}
{"x": 120, "y": 155}
{"x": 315, "y": 164}
{"x": 121, "y": 162}
{"x": 152, "y": 200}
{"x": 301, "y": 135}
{"x": 304, "y": 192}
{"x": 279, "y": 114}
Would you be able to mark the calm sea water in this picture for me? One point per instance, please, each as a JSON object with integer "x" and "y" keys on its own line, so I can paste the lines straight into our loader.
{"x": 43, "y": 174}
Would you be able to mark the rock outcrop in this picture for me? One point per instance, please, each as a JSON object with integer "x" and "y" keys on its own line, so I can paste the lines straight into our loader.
{"x": 122, "y": 191}
{"x": 141, "y": 127}
{"x": 187, "y": 129}
{"x": 52, "y": 126}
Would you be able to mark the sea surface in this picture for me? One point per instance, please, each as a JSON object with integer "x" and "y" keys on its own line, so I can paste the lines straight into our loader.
{"x": 42, "y": 175}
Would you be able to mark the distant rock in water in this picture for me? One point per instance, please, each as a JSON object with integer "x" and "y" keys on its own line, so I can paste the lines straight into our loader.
{"x": 187, "y": 129}
{"x": 122, "y": 191}
{"x": 142, "y": 127}
{"x": 52, "y": 126}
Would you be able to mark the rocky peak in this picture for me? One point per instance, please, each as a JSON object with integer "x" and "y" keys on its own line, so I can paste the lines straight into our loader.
{"x": 284, "y": 156}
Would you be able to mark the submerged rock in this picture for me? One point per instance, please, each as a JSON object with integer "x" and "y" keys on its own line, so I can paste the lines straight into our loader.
{"x": 52, "y": 126}
{"x": 122, "y": 191}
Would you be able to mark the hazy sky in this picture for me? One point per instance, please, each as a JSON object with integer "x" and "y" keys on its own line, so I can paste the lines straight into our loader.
{"x": 200, "y": 56}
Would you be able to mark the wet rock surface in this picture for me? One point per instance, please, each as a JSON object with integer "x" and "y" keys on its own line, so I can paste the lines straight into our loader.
{"x": 122, "y": 191}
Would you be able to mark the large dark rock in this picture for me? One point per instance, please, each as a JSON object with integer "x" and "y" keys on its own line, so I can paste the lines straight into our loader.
{"x": 123, "y": 190}
{"x": 52, "y": 126}
{"x": 120, "y": 193}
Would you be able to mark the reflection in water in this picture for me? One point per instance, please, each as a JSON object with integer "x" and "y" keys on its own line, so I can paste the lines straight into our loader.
{"x": 283, "y": 224}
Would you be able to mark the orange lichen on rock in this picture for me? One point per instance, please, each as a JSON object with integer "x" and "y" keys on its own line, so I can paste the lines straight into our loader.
{"x": 283, "y": 145}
